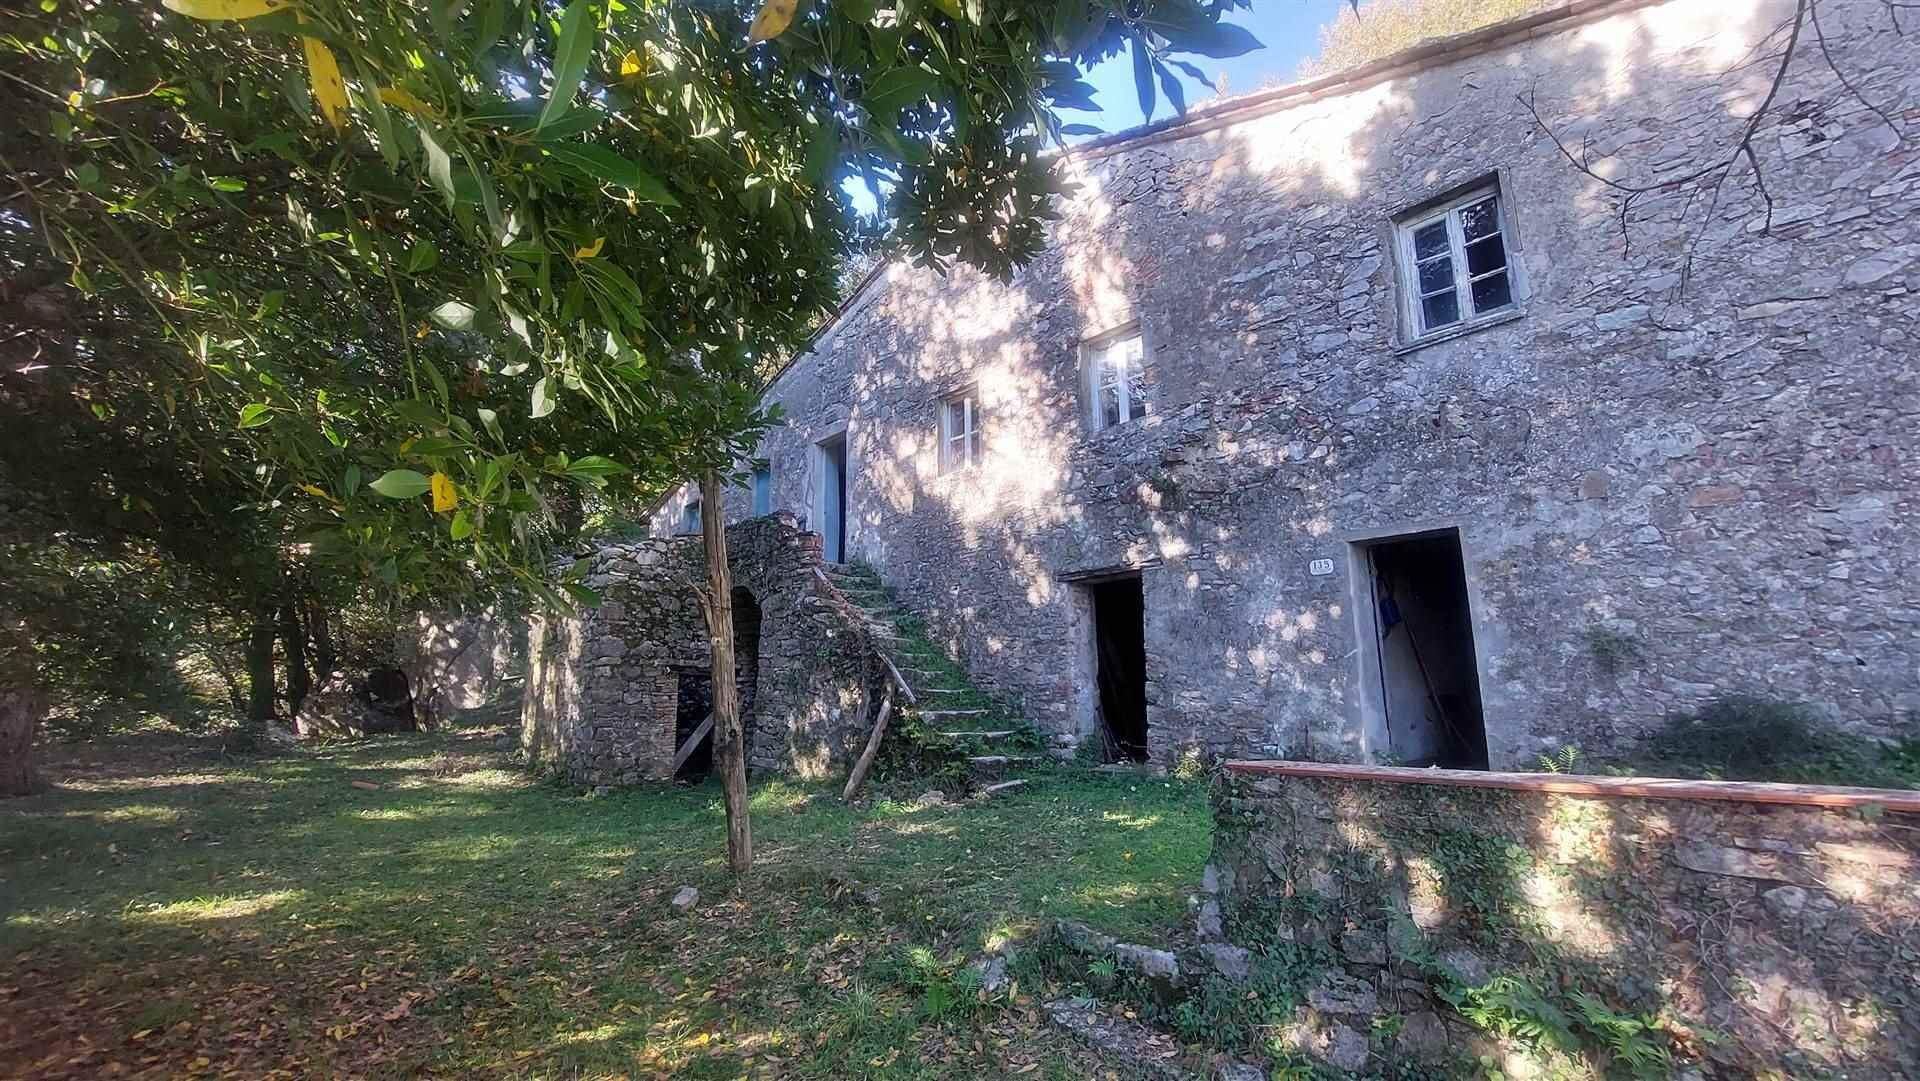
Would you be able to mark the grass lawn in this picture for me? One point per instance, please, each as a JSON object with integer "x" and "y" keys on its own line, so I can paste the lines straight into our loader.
{"x": 167, "y": 912}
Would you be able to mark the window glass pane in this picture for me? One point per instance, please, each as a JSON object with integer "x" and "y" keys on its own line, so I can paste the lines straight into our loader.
{"x": 1440, "y": 309}
{"x": 1479, "y": 220}
{"x": 1430, "y": 240}
{"x": 1487, "y": 255}
{"x": 1492, "y": 291}
{"x": 1136, "y": 393}
{"x": 1435, "y": 275}
{"x": 956, "y": 416}
{"x": 1109, "y": 406}
{"x": 973, "y": 446}
{"x": 1108, "y": 369}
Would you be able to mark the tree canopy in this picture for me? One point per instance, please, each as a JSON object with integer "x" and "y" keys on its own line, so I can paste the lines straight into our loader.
{"x": 418, "y": 279}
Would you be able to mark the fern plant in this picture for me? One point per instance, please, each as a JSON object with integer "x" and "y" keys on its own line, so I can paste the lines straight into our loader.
{"x": 1561, "y": 762}
{"x": 1636, "y": 1043}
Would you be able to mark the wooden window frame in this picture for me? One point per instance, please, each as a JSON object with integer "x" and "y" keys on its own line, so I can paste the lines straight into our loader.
{"x": 961, "y": 449}
{"x": 1448, "y": 208}
{"x": 1095, "y": 354}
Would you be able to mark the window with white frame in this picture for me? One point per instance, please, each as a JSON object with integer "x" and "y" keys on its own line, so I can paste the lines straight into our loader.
{"x": 1117, "y": 378}
{"x": 1454, "y": 263}
{"x": 690, "y": 517}
{"x": 959, "y": 431}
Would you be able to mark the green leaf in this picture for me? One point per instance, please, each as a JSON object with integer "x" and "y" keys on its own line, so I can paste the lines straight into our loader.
{"x": 490, "y": 420}
{"x": 897, "y": 89}
{"x": 439, "y": 165}
{"x": 588, "y": 597}
{"x": 1143, "y": 77}
{"x": 1220, "y": 41}
{"x": 600, "y": 162}
{"x": 350, "y": 483}
{"x": 1170, "y": 85}
{"x": 594, "y": 469}
{"x": 455, "y": 315}
{"x": 462, "y": 526}
{"x": 401, "y": 484}
{"x": 424, "y": 255}
{"x": 577, "y": 32}
{"x": 256, "y": 415}
{"x": 1081, "y": 129}
{"x": 542, "y": 398}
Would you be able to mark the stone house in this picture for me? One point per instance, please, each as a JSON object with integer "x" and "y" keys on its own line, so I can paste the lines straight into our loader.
{"x": 1350, "y": 421}
{"x": 617, "y": 693}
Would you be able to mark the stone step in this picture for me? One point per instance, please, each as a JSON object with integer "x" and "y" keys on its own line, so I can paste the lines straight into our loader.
{"x": 994, "y": 763}
{"x": 935, "y": 714}
{"x": 942, "y": 690}
{"x": 989, "y": 736}
{"x": 992, "y": 790}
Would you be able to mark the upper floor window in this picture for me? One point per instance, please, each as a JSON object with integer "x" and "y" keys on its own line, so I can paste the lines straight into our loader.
{"x": 1453, "y": 262}
{"x": 1116, "y": 375}
{"x": 762, "y": 490}
{"x": 959, "y": 431}
{"x": 690, "y": 517}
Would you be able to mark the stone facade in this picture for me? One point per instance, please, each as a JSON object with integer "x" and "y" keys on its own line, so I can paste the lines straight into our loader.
{"x": 603, "y": 685}
{"x": 1786, "y": 929}
{"x": 1695, "y": 436}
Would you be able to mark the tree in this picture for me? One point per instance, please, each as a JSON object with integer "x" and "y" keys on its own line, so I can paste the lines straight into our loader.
{"x": 1379, "y": 28}
{"x": 444, "y": 269}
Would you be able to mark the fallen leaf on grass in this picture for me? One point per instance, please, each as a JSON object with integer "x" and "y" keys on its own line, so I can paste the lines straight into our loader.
{"x": 367, "y": 785}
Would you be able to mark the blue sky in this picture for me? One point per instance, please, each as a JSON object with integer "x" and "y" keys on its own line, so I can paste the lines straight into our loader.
{"x": 1290, "y": 30}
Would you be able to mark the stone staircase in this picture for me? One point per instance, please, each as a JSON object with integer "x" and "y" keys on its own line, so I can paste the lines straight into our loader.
{"x": 1001, "y": 751}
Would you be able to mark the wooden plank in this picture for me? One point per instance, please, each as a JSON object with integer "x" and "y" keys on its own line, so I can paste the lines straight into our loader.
{"x": 686, "y": 749}
{"x": 1568, "y": 784}
{"x": 860, "y": 768}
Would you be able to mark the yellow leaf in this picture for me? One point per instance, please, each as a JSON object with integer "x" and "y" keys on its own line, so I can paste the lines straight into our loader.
{"x": 632, "y": 65}
{"x": 772, "y": 20}
{"x": 592, "y": 249}
{"x": 444, "y": 496}
{"x": 316, "y": 492}
{"x": 216, "y": 10}
{"x": 400, "y": 99}
{"x": 329, "y": 89}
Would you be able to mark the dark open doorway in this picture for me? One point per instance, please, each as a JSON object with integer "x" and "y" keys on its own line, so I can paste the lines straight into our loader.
{"x": 693, "y": 710}
{"x": 695, "y": 706}
{"x": 1424, "y": 653}
{"x": 833, "y": 498}
{"x": 1120, "y": 658}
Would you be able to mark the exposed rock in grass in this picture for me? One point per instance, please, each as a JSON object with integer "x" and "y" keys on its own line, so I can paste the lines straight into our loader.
{"x": 684, "y": 900}
{"x": 1155, "y": 1054}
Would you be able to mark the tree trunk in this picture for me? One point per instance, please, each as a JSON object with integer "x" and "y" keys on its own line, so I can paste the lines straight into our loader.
{"x": 260, "y": 668}
{"x": 320, "y": 633}
{"x": 21, "y": 706}
{"x": 729, "y": 742}
{"x": 293, "y": 639}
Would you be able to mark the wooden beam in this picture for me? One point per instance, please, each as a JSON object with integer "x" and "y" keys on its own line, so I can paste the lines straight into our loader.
{"x": 860, "y": 768}
{"x": 686, "y": 749}
{"x": 1567, "y": 784}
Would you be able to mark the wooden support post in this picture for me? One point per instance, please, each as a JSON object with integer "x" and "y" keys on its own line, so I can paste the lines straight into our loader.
{"x": 861, "y": 767}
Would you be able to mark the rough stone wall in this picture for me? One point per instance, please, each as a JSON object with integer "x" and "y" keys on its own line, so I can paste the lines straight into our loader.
{"x": 1717, "y": 473}
{"x": 603, "y": 686}
{"x": 1789, "y": 931}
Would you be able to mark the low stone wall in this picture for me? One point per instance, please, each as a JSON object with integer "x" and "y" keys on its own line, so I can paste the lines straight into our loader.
{"x": 602, "y": 685}
{"x": 1752, "y": 928}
